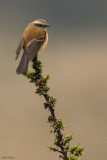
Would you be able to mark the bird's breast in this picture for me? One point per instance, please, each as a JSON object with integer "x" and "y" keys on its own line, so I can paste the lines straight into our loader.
{"x": 45, "y": 42}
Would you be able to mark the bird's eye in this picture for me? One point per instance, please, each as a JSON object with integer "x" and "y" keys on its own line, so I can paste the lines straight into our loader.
{"x": 39, "y": 25}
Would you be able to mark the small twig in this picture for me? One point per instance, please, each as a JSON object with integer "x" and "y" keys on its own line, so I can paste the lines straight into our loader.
{"x": 61, "y": 142}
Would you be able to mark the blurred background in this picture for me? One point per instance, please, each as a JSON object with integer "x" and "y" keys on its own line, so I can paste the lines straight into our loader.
{"x": 76, "y": 60}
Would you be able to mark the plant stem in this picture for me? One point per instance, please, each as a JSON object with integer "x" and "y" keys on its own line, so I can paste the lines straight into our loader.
{"x": 61, "y": 142}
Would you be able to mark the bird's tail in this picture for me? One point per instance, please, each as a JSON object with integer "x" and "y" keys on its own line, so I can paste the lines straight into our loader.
{"x": 23, "y": 65}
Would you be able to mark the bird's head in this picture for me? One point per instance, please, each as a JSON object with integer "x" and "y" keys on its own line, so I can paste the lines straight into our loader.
{"x": 41, "y": 23}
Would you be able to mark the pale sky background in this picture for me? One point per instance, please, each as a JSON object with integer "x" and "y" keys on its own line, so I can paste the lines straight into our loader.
{"x": 76, "y": 59}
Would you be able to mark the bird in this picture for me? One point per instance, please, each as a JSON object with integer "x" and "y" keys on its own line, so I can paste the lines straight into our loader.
{"x": 34, "y": 40}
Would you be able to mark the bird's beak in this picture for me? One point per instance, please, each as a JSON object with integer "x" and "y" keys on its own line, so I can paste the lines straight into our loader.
{"x": 48, "y": 26}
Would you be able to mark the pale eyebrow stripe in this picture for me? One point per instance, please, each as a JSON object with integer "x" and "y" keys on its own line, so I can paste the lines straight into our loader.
{"x": 38, "y": 22}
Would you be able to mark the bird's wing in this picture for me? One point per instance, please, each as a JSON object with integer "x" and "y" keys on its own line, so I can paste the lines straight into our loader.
{"x": 33, "y": 47}
{"x": 20, "y": 46}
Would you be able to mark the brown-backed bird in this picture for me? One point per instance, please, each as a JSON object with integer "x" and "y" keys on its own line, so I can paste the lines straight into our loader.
{"x": 35, "y": 38}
